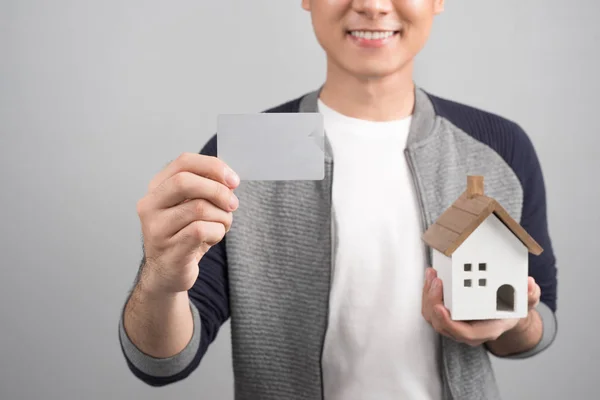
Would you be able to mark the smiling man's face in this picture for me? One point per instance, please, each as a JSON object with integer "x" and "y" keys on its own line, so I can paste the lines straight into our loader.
{"x": 372, "y": 38}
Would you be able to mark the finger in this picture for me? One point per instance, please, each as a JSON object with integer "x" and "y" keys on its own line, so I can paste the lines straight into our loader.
{"x": 431, "y": 297}
{"x": 176, "y": 218}
{"x": 199, "y": 164}
{"x": 469, "y": 333}
{"x": 430, "y": 273}
{"x": 196, "y": 235}
{"x": 435, "y": 294}
{"x": 186, "y": 185}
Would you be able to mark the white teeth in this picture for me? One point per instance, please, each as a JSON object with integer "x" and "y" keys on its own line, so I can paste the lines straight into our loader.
{"x": 369, "y": 35}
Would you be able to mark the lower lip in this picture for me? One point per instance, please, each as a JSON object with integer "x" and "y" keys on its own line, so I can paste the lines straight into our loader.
{"x": 372, "y": 43}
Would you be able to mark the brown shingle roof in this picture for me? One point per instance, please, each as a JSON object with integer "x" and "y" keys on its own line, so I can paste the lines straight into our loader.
{"x": 461, "y": 219}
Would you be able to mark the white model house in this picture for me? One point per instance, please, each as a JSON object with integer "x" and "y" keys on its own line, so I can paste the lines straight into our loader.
{"x": 481, "y": 255}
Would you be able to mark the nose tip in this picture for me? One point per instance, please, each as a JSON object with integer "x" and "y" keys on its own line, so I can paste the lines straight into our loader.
{"x": 372, "y": 8}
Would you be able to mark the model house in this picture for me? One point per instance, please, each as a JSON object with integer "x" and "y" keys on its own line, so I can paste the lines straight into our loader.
{"x": 481, "y": 255}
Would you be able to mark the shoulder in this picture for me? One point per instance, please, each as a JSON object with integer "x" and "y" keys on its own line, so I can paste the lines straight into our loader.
{"x": 288, "y": 106}
{"x": 501, "y": 134}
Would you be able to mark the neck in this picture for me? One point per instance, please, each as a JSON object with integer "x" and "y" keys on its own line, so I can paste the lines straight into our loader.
{"x": 385, "y": 98}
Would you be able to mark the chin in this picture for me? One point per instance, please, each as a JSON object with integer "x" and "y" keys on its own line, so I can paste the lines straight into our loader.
{"x": 374, "y": 70}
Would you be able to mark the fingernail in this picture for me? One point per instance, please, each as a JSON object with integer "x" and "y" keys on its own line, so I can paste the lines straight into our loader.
{"x": 231, "y": 177}
{"x": 233, "y": 201}
{"x": 428, "y": 274}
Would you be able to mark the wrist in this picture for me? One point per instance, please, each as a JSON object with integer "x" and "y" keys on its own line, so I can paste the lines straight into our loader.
{"x": 151, "y": 295}
{"x": 525, "y": 323}
{"x": 148, "y": 286}
{"x": 524, "y": 336}
{"x": 153, "y": 305}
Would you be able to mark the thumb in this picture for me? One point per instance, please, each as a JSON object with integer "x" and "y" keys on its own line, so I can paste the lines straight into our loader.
{"x": 530, "y": 285}
{"x": 533, "y": 292}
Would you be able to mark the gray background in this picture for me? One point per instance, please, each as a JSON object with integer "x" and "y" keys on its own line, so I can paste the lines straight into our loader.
{"x": 97, "y": 96}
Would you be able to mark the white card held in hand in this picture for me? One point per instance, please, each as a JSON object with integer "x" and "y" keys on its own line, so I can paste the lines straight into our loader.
{"x": 273, "y": 146}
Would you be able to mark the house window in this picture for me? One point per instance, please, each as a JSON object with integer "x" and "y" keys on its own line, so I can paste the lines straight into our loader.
{"x": 482, "y": 266}
{"x": 467, "y": 283}
{"x": 467, "y": 267}
{"x": 482, "y": 282}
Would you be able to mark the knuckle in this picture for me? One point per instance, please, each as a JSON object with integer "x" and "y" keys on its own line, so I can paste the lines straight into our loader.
{"x": 180, "y": 180}
{"x": 140, "y": 207}
{"x": 183, "y": 158}
{"x": 199, "y": 231}
{"x": 200, "y": 209}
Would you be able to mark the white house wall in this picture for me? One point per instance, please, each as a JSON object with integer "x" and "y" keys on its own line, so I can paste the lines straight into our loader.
{"x": 443, "y": 265}
{"x": 507, "y": 263}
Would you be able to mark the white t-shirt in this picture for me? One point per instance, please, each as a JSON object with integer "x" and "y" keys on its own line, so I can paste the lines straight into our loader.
{"x": 378, "y": 345}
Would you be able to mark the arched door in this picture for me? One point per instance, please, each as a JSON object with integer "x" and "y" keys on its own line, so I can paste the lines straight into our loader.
{"x": 505, "y": 298}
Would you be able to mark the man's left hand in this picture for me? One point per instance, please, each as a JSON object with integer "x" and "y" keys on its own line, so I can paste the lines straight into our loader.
{"x": 473, "y": 333}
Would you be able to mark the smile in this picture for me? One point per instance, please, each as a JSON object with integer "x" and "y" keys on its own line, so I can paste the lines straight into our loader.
{"x": 372, "y": 35}
{"x": 372, "y": 39}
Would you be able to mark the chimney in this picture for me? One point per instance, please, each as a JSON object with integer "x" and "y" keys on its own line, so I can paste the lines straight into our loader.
{"x": 474, "y": 186}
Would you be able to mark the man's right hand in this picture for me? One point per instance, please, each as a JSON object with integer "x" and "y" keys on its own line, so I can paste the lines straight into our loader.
{"x": 188, "y": 209}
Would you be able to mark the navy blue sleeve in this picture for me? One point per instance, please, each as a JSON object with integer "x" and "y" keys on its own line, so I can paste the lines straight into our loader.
{"x": 534, "y": 217}
{"x": 210, "y": 293}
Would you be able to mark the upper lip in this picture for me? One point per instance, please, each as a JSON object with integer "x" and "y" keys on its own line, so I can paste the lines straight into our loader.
{"x": 373, "y": 30}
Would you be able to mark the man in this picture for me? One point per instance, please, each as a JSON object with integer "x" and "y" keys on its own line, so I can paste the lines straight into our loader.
{"x": 326, "y": 282}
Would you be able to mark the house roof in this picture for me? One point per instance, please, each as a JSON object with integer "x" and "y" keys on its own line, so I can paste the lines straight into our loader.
{"x": 469, "y": 211}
